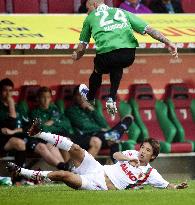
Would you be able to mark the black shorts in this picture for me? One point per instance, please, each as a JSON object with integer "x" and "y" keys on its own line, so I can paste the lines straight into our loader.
{"x": 32, "y": 143}
{"x": 116, "y": 59}
{"x": 82, "y": 140}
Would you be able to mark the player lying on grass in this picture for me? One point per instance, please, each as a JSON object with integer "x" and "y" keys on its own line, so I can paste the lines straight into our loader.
{"x": 132, "y": 169}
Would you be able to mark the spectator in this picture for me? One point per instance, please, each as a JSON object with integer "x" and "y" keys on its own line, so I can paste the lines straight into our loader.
{"x": 54, "y": 122}
{"x": 91, "y": 126}
{"x": 11, "y": 132}
{"x": 135, "y": 6}
{"x": 83, "y": 9}
{"x": 166, "y": 6}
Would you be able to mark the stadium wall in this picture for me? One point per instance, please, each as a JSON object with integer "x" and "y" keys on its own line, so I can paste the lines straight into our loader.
{"x": 156, "y": 69}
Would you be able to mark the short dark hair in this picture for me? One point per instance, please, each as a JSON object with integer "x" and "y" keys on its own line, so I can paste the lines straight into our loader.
{"x": 6, "y": 82}
{"x": 155, "y": 146}
{"x": 42, "y": 90}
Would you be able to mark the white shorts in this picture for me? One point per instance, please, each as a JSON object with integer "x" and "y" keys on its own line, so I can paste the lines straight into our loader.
{"x": 91, "y": 173}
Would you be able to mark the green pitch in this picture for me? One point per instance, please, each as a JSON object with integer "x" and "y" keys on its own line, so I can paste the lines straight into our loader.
{"x": 61, "y": 194}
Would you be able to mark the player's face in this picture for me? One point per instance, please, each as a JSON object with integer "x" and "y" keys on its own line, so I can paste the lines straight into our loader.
{"x": 6, "y": 92}
{"x": 145, "y": 152}
{"x": 45, "y": 100}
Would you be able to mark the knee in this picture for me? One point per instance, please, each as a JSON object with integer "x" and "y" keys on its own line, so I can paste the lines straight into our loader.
{"x": 18, "y": 144}
{"x": 75, "y": 148}
{"x": 41, "y": 148}
{"x": 96, "y": 142}
{"x": 59, "y": 175}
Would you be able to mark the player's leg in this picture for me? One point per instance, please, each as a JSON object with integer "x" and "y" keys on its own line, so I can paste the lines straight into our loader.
{"x": 95, "y": 79}
{"x": 117, "y": 60}
{"x": 71, "y": 179}
{"x": 115, "y": 79}
{"x": 76, "y": 152}
{"x": 15, "y": 143}
{"x": 95, "y": 82}
{"x": 118, "y": 130}
{"x": 94, "y": 146}
{"x": 123, "y": 125}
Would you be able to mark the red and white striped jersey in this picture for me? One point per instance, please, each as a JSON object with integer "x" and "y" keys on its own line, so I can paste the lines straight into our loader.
{"x": 124, "y": 176}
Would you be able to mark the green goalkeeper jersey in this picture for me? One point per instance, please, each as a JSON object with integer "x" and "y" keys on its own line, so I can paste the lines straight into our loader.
{"x": 111, "y": 28}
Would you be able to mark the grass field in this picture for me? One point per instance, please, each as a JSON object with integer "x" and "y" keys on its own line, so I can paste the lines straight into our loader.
{"x": 61, "y": 194}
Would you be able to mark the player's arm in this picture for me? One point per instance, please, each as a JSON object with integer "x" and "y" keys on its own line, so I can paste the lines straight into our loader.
{"x": 119, "y": 156}
{"x": 140, "y": 26}
{"x": 183, "y": 185}
{"x": 80, "y": 51}
{"x": 156, "y": 180}
{"x": 160, "y": 37}
{"x": 84, "y": 40}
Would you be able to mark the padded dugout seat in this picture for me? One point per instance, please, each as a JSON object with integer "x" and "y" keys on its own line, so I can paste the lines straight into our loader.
{"x": 2, "y": 6}
{"x": 60, "y": 6}
{"x": 188, "y": 6}
{"x": 181, "y": 111}
{"x": 151, "y": 115}
{"x": 64, "y": 96}
{"x": 26, "y": 6}
{"x": 27, "y": 100}
{"x": 28, "y": 94}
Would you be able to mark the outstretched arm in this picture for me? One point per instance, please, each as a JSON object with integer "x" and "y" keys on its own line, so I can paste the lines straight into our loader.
{"x": 183, "y": 185}
{"x": 79, "y": 52}
{"x": 160, "y": 37}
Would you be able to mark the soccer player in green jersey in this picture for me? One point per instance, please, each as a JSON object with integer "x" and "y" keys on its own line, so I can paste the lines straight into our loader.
{"x": 112, "y": 30}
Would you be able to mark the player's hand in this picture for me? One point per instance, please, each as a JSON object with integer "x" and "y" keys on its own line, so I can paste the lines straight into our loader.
{"x": 173, "y": 50}
{"x": 7, "y": 131}
{"x": 86, "y": 105}
{"x": 49, "y": 123}
{"x": 183, "y": 185}
{"x": 134, "y": 162}
{"x": 74, "y": 55}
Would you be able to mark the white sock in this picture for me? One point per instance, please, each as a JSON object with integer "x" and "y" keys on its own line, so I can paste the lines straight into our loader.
{"x": 57, "y": 140}
{"x": 32, "y": 174}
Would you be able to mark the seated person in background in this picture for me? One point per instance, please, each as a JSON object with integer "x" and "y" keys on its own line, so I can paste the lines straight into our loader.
{"x": 54, "y": 122}
{"x": 93, "y": 130}
{"x": 134, "y": 6}
{"x": 166, "y": 6}
{"x": 11, "y": 132}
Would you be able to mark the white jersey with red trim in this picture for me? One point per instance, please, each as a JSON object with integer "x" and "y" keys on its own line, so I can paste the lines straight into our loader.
{"x": 124, "y": 176}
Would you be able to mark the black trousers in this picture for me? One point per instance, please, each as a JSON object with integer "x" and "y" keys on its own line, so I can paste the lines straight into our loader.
{"x": 20, "y": 156}
{"x": 111, "y": 63}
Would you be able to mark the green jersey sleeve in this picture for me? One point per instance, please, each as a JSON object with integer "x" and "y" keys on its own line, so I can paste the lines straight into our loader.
{"x": 137, "y": 23}
{"x": 86, "y": 32}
